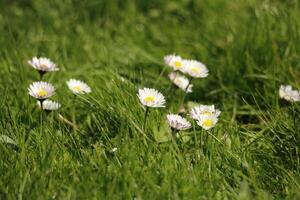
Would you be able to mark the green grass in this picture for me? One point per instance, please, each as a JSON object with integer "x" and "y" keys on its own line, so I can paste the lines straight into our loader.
{"x": 250, "y": 48}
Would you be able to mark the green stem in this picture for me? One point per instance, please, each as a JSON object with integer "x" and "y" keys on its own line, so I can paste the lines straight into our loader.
{"x": 74, "y": 112}
{"x": 206, "y": 137}
{"x": 187, "y": 87}
{"x": 145, "y": 119}
{"x": 185, "y": 93}
{"x": 41, "y": 75}
{"x": 41, "y": 119}
{"x": 294, "y": 117}
{"x": 195, "y": 135}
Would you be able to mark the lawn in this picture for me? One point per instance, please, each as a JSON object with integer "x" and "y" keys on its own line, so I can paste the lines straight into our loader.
{"x": 96, "y": 147}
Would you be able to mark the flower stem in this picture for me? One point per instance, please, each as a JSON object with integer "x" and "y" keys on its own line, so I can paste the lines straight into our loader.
{"x": 41, "y": 75}
{"x": 42, "y": 107}
{"x": 41, "y": 119}
{"x": 145, "y": 118}
{"x": 185, "y": 93}
{"x": 187, "y": 87}
{"x": 74, "y": 112}
{"x": 195, "y": 135}
{"x": 174, "y": 131}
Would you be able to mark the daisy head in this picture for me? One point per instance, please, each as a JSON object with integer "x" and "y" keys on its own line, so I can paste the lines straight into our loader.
{"x": 151, "y": 98}
{"x": 113, "y": 150}
{"x": 195, "y": 69}
{"x": 43, "y": 65}
{"x": 174, "y": 61}
{"x": 207, "y": 121}
{"x": 49, "y": 105}
{"x": 177, "y": 122}
{"x": 41, "y": 90}
{"x": 197, "y": 111}
{"x": 286, "y": 92}
{"x": 181, "y": 81}
{"x": 78, "y": 87}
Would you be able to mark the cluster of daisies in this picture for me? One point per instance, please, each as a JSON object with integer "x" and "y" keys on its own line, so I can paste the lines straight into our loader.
{"x": 180, "y": 66}
{"x": 42, "y": 90}
{"x": 206, "y": 116}
{"x": 184, "y": 71}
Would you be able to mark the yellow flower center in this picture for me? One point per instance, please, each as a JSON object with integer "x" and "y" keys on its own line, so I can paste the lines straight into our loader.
{"x": 42, "y": 93}
{"x": 77, "y": 88}
{"x": 207, "y": 113}
{"x": 195, "y": 69}
{"x": 149, "y": 99}
{"x": 207, "y": 122}
{"x": 178, "y": 64}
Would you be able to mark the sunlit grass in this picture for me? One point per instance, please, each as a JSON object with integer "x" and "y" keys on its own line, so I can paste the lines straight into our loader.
{"x": 250, "y": 48}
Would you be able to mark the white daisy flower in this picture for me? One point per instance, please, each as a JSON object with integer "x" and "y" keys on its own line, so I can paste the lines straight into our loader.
{"x": 286, "y": 92}
{"x": 195, "y": 69}
{"x": 176, "y": 62}
{"x": 43, "y": 65}
{"x": 178, "y": 122}
{"x": 49, "y": 105}
{"x": 113, "y": 149}
{"x": 207, "y": 121}
{"x": 41, "y": 90}
{"x": 197, "y": 111}
{"x": 78, "y": 87}
{"x": 151, "y": 98}
{"x": 181, "y": 81}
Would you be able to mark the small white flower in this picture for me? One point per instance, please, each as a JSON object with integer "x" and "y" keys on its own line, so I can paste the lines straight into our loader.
{"x": 286, "y": 92}
{"x": 195, "y": 69}
{"x": 78, "y": 87}
{"x": 176, "y": 62}
{"x": 43, "y": 64}
{"x": 181, "y": 81}
{"x": 113, "y": 149}
{"x": 49, "y": 105}
{"x": 41, "y": 90}
{"x": 151, "y": 98}
{"x": 207, "y": 121}
{"x": 197, "y": 111}
{"x": 178, "y": 122}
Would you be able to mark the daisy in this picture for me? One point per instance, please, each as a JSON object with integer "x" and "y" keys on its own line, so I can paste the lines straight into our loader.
{"x": 195, "y": 69}
{"x": 197, "y": 111}
{"x": 78, "y": 87}
{"x": 176, "y": 62}
{"x": 181, "y": 81}
{"x": 177, "y": 122}
{"x": 113, "y": 150}
{"x": 151, "y": 98}
{"x": 49, "y": 105}
{"x": 207, "y": 121}
{"x": 41, "y": 90}
{"x": 286, "y": 92}
{"x": 43, "y": 65}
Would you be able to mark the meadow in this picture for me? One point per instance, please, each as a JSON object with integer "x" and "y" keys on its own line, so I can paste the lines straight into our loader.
{"x": 95, "y": 145}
